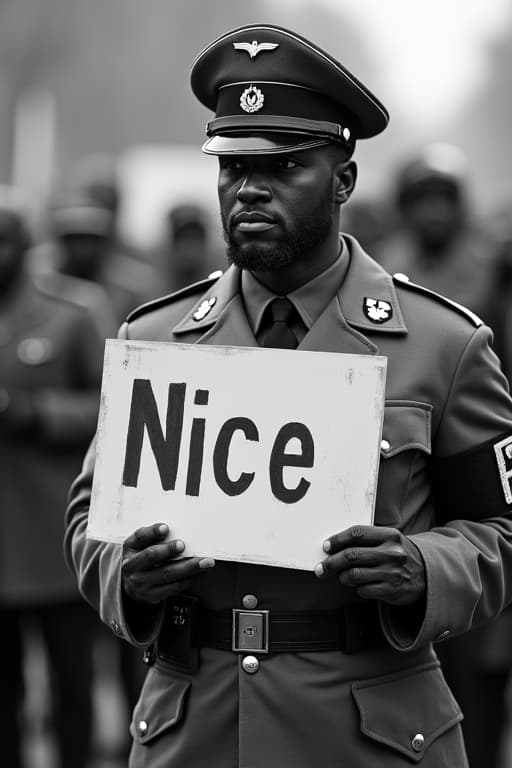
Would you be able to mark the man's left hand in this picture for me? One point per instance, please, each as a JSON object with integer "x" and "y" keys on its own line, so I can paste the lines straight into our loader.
{"x": 380, "y": 563}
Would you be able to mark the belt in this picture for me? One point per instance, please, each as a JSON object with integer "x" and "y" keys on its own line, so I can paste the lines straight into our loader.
{"x": 188, "y": 626}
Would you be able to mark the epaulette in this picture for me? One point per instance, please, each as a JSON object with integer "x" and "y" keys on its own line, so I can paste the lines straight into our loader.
{"x": 404, "y": 281}
{"x": 44, "y": 283}
{"x": 163, "y": 301}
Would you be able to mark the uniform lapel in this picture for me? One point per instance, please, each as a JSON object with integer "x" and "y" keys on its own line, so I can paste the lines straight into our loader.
{"x": 225, "y": 323}
{"x": 341, "y": 326}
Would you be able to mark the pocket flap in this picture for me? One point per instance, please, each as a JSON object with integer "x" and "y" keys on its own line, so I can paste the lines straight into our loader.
{"x": 407, "y": 711}
{"x": 160, "y": 706}
{"x": 407, "y": 425}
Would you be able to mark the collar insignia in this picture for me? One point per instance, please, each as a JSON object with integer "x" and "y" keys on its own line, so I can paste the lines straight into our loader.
{"x": 377, "y": 310}
{"x": 204, "y": 309}
{"x": 254, "y": 48}
{"x": 252, "y": 99}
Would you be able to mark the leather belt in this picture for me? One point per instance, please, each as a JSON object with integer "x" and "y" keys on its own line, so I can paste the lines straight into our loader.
{"x": 188, "y": 626}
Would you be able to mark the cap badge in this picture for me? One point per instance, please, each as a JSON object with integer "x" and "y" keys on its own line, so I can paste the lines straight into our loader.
{"x": 254, "y": 48}
{"x": 204, "y": 309}
{"x": 252, "y": 99}
{"x": 377, "y": 310}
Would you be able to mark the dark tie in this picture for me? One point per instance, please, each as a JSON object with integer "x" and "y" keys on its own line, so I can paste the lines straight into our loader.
{"x": 280, "y": 314}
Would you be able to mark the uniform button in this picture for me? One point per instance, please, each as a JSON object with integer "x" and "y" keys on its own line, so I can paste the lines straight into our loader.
{"x": 385, "y": 445}
{"x": 142, "y": 727}
{"x": 249, "y": 602}
{"x": 418, "y": 742}
{"x": 250, "y": 664}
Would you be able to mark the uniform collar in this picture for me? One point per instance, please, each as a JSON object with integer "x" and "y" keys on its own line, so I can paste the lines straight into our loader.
{"x": 309, "y": 300}
{"x": 364, "y": 280}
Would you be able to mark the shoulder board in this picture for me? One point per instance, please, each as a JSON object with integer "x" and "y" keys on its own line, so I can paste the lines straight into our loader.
{"x": 51, "y": 286}
{"x": 163, "y": 301}
{"x": 404, "y": 281}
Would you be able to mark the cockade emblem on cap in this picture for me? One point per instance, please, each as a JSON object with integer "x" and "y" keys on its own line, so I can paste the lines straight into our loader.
{"x": 204, "y": 308}
{"x": 377, "y": 310}
{"x": 254, "y": 48}
{"x": 252, "y": 99}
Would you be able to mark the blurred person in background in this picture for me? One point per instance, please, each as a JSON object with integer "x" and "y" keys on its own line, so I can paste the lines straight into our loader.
{"x": 186, "y": 256}
{"x": 438, "y": 245}
{"x": 367, "y": 221}
{"x": 85, "y": 236}
{"x": 436, "y": 242}
{"x": 97, "y": 178}
{"x": 51, "y": 352}
{"x": 85, "y": 248}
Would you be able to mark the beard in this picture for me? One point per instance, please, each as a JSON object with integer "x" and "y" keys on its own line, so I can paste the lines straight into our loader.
{"x": 261, "y": 256}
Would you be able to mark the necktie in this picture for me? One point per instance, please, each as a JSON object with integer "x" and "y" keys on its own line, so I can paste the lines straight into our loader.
{"x": 279, "y": 334}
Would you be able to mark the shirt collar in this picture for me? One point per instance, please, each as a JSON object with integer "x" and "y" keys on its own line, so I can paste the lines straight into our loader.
{"x": 309, "y": 299}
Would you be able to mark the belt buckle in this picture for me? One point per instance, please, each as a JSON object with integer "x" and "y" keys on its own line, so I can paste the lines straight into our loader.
{"x": 250, "y": 631}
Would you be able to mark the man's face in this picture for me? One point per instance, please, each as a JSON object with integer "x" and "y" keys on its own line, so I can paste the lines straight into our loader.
{"x": 84, "y": 254}
{"x": 276, "y": 208}
{"x": 435, "y": 215}
{"x": 11, "y": 249}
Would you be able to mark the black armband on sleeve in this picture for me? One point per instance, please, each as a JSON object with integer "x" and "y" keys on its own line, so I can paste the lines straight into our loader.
{"x": 476, "y": 484}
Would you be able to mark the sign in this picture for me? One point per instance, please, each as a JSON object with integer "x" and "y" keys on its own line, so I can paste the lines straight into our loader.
{"x": 249, "y": 454}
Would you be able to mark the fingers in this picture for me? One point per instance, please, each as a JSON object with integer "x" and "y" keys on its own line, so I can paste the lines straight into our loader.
{"x": 157, "y": 583}
{"x": 360, "y": 536}
{"x": 145, "y": 537}
{"x": 153, "y": 556}
{"x": 153, "y": 567}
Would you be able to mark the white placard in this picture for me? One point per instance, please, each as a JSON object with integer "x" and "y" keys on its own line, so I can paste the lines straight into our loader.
{"x": 249, "y": 454}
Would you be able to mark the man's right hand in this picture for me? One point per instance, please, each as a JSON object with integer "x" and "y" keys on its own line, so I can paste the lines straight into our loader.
{"x": 150, "y": 568}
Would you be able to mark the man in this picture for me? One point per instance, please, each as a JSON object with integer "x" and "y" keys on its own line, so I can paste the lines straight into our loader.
{"x": 436, "y": 241}
{"x": 438, "y": 245}
{"x": 85, "y": 249}
{"x": 439, "y": 556}
{"x": 51, "y": 352}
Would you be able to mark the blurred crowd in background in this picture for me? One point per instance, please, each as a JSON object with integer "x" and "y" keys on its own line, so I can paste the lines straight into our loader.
{"x": 106, "y": 203}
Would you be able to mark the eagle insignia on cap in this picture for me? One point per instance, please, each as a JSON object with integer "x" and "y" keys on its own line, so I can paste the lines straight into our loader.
{"x": 204, "y": 308}
{"x": 377, "y": 310}
{"x": 252, "y": 99}
{"x": 254, "y": 48}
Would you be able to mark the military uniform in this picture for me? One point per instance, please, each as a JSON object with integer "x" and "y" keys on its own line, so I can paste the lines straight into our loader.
{"x": 361, "y": 707}
{"x": 51, "y": 352}
{"x": 345, "y": 681}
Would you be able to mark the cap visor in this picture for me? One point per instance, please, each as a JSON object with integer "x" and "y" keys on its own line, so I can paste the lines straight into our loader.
{"x": 261, "y": 144}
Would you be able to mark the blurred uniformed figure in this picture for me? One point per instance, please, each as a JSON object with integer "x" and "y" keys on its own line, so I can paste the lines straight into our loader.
{"x": 84, "y": 233}
{"x": 437, "y": 245}
{"x": 435, "y": 241}
{"x": 51, "y": 354}
{"x": 348, "y": 674}
{"x": 185, "y": 254}
{"x": 98, "y": 179}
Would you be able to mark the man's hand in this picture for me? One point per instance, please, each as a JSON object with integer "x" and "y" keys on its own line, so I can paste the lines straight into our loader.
{"x": 381, "y": 563}
{"x": 150, "y": 568}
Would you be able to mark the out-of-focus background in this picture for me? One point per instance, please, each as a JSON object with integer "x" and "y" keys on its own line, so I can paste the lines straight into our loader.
{"x": 100, "y": 135}
{"x": 113, "y": 77}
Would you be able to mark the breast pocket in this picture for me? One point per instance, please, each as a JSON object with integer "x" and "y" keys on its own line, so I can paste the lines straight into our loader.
{"x": 406, "y": 445}
{"x": 413, "y": 714}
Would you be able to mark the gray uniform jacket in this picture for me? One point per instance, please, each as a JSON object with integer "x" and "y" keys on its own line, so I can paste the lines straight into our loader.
{"x": 443, "y": 480}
